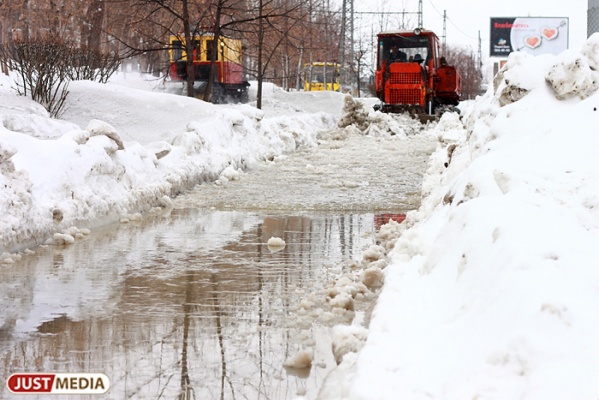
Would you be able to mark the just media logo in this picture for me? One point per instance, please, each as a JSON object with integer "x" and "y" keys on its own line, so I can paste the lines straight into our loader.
{"x": 67, "y": 383}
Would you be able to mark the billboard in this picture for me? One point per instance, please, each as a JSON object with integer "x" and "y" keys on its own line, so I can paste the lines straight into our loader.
{"x": 533, "y": 35}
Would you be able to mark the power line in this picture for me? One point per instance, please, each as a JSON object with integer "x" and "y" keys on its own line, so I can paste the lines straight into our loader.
{"x": 459, "y": 30}
{"x": 450, "y": 20}
{"x": 385, "y": 12}
{"x": 438, "y": 12}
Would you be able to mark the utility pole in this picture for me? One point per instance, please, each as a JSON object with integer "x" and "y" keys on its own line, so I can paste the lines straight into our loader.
{"x": 347, "y": 30}
{"x": 342, "y": 44}
{"x": 444, "y": 31}
{"x": 480, "y": 55}
{"x": 480, "y": 52}
{"x": 351, "y": 29}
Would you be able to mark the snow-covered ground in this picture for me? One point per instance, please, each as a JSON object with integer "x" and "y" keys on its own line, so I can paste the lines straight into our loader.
{"x": 119, "y": 151}
{"x": 492, "y": 285}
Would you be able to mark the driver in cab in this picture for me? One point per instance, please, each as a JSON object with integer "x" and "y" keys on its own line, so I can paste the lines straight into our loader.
{"x": 395, "y": 55}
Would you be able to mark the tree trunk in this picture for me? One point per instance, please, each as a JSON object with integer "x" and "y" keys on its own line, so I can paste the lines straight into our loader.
{"x": 95, "y": 16}
{"x": 213, "y": 75}
{"x": 260, "y": 48}
{"x": 299, "y": 68}
{"x": 188, "y": 50}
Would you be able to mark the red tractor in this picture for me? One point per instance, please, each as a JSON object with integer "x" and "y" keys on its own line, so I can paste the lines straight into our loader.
{"x": 412, "y": 76}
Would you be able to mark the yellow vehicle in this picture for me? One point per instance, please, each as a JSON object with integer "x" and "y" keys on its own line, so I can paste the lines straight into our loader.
{"x": 321, "y": 76}
{"x": 230, "y": 84}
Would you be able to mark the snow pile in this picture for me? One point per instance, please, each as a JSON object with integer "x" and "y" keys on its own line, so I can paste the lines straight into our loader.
{"x": 355, "y": 114}
{"x": 137, "y": 149}
{"x": 573, "y": 77}
{"x": 277, "y": 102}
{"x": 493, "y": 283}
{"x": 576, "y": 74}
{"x": 347, "y": 339}
{"x": 360, "y": 117}
{"x": 300, "y": 360}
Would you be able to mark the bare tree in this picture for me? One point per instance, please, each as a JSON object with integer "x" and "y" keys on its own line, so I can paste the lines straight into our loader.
{"x": 278, "y": 39}
{"x": 145, "y": 26}
{"x": 155, "y": 21}
{"x": 465, "y": 62}
{"x": 276, "y": 33}
{"x": 358, "y": 56}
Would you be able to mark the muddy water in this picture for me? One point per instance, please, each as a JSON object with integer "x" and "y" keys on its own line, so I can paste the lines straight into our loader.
{"x": 192, "y": 304}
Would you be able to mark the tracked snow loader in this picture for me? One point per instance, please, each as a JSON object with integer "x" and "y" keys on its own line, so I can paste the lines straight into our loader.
{"x": 229, "y": 85}
{"x": 413, "y": 77}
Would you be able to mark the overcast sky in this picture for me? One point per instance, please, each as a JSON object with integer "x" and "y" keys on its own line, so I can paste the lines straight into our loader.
{"x": 467, "y": 17}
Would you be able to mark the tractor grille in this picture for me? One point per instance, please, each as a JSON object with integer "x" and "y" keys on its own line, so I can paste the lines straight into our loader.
{"x": 404, "y": 96}
{"x": 405, "y": 78}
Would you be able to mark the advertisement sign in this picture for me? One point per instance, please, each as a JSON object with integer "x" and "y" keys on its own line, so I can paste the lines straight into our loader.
{"x": 533, "y": 35}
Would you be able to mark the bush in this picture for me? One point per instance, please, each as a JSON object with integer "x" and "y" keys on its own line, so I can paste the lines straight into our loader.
{"x": 45, "y": 66}
{"x": 41, "y": 70}
{"x": 88, "y": 64}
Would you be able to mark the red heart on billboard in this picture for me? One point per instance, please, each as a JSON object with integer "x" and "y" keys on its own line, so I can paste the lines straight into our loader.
{"x": 549, "y": 33}
{"x": 532, "y": 41}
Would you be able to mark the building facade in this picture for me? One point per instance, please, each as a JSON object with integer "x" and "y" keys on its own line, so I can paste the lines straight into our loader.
{"x": 593, "y": 17}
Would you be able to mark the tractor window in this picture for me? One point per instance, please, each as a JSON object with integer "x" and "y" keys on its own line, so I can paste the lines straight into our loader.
{"x": 437, "y": 52}
{"x": 318, "y": 74}
{"x": 209, "y": 50}
{"x": 196, "y": 50}
{"x": 404, "y": 48}
{"x": 416, "y": 54}
{"x": 177, "y": 50}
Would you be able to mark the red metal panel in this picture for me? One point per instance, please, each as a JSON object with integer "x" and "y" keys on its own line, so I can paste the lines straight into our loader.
{"x": 405, "y": 96}
{"x": 405, "y": 84}
{"x": 379, "y": 81}
{"x": 448, "y": 79}
{"x": 228, "y": 72}
{"x": 405, "y": 78}
{"x": 172, "y": 72}
{"x": 233, "y": 73}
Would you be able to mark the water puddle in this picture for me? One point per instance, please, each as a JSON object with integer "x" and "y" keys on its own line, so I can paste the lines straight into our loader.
{"x": 192, "y": 305}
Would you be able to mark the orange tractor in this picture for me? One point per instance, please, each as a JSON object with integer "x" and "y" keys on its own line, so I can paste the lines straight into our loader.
{"x": 412, "y": 76}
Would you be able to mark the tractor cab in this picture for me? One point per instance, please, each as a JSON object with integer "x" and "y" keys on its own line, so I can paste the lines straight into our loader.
{"x": 404, "y": 48}
{"x": 411, "y": 75}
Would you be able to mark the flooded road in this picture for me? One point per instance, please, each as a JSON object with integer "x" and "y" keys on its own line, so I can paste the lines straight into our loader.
{"x": 193, "y": 303}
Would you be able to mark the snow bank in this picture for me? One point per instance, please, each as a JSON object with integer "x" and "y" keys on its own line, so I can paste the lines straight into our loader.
{"x": 359, "y": 117}
{"x": 137, "y": 149}
{"x": 492, "y": 284}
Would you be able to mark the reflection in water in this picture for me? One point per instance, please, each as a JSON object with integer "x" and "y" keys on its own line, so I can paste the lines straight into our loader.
{"x": 193, "y": 306}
